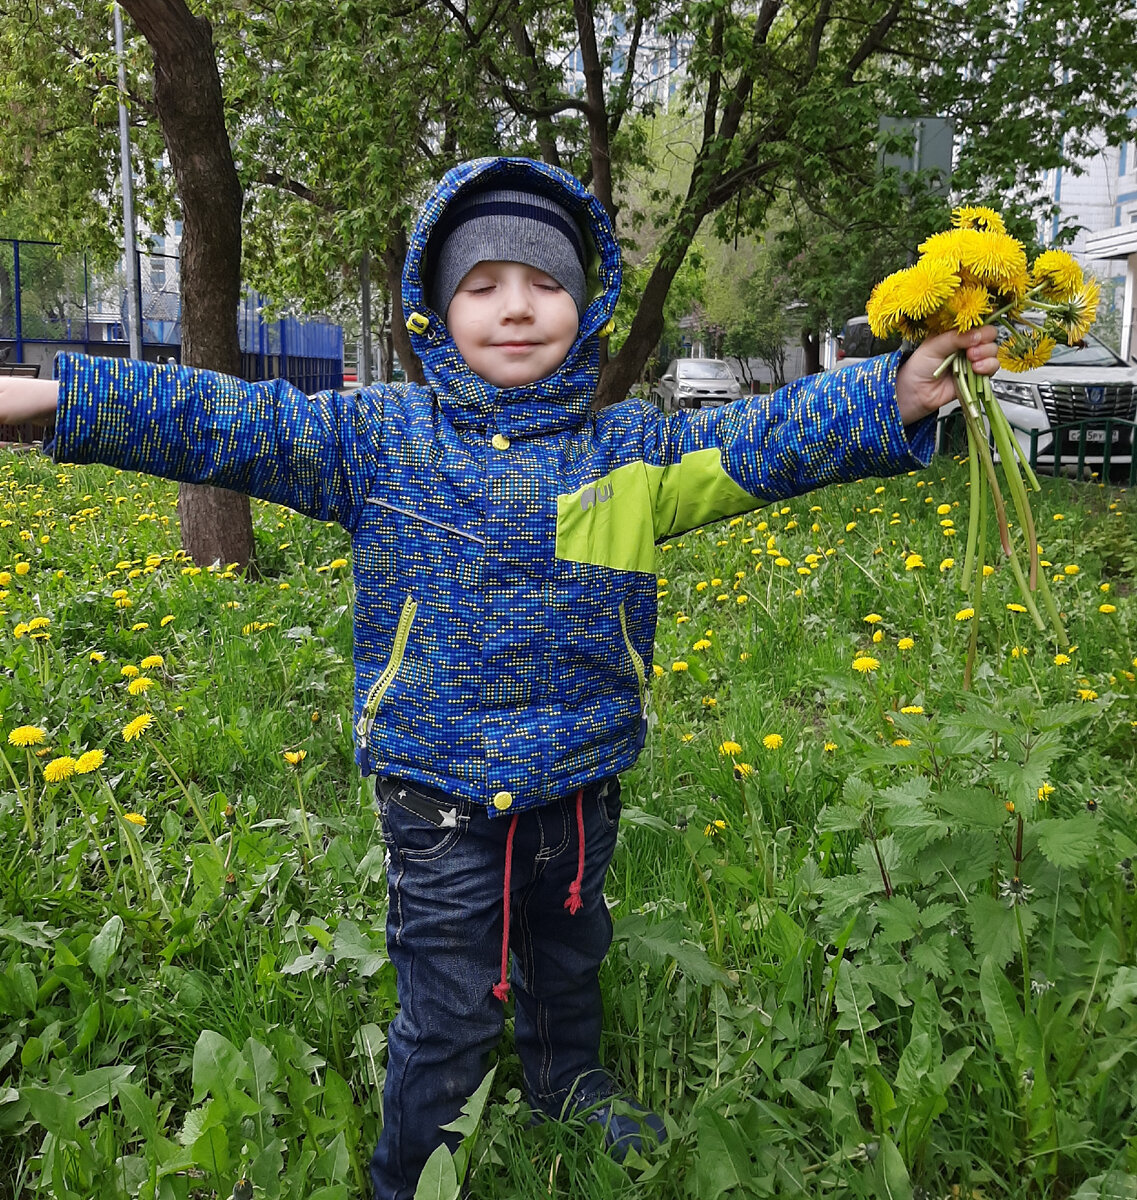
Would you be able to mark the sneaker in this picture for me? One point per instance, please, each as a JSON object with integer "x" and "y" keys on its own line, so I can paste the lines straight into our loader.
{"x": 627, "y": 1126}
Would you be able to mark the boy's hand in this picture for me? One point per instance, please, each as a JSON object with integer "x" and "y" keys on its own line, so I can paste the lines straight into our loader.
{"x": 919, "y": 393}
{"x": 32, "y": 400}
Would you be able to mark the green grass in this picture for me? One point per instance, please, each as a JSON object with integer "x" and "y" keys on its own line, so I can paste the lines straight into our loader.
{"x": 824, "y": 973}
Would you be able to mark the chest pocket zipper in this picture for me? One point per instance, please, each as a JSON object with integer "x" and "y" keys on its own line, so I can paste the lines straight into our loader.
{"x": 637, "y": 661}
{"x": 387, "y": 677}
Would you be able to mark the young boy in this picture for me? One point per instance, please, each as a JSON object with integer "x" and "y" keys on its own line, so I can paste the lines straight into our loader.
{"x": 505, "y": 606}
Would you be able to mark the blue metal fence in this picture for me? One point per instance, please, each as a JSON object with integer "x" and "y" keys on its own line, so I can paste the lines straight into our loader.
{"x": 52, "y": 301}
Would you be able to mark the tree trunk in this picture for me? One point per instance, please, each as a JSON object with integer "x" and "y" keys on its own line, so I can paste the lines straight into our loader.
{"x": 393, "y": 259}
{"x": 811, "y": 344}
{"x": 216, "y": 524}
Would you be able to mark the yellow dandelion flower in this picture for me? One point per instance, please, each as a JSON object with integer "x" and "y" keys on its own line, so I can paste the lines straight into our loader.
{"x": 681, "y": 619}
{"x": 744, "y": 656}
{"x": 913, "y": 562}
{"x": 975, "y": 216}
{"x": 1107, "y": 608}
{"x": 139, "y": 686}
{"x": 687, "y": 737}
{"x": 90, "y": 761}
{"x": 679, "y": 666}
{"x": 129, "y": 671}
{"x": 336, "y": 563}
{"x": 135, "y": 819}
{"x": 295, "y": 757}
{"x": 656, "y": 670}
{"x": 96, "y": 656}
{"x": 878, "y": 636}
{"x": 965, "y": 614}
{"x": 743, "y": 599}
{"x": 942, "y": 510}
{"x": 1071, "y": 569}
{"x": 1045, "y": 791}
{"x": 1058, "y": 274}
{"x": 865, "y": 664}
{"x": 125, "y": 602}
{"x": 59, "y": 769}
{"x": 995, "y": 259}
{"x": 829, "y": 747}
{"x": 883, "y": 307}
{"x": 901, "y": 741}
{"x": 151, "y": 661}
{"x": 702, "y": 585}
{"x": 702, "y": 644}
{"x": 22, "y": 568}
{"x": 1087, "y": 694}
{"x": 20, "y": 630}
{"x": 709, "y": 702}
{"x": 729, "y": 748}
{"x": 137, "y": 727}
{"x": 924, "y": 286}
{"x": 781, "y": 561}
{"x": 947, "y": 564}
{"x": 743, "y": 770}
{"x": 905, "y": 643}
{"x": 772, "y": 741}
{"x": 1016, "y": 608}
{"x": 138, "y": 626}
{"x": 969, "y": 307}
{"x": 1061, "y": 660}
{"x": 38, "y": 623}
{"x": 166, "y": 620}
{"x": 1025, "y": 350}
{"x": 872, "y": 618}
{"x": 26, "y": 735}
{"x": 850, "y": 526}
{"x": 714, "y": 827}
{"x": 913, "y": 709}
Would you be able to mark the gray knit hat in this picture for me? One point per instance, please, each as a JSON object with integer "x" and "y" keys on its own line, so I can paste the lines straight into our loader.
{"x": 504, "y": 225}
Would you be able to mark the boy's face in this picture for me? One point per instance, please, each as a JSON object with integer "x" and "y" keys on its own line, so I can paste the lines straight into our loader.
{"x": 511, "y": 323}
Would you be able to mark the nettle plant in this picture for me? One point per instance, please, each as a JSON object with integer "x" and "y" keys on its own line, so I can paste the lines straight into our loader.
{"x": 951, "y": 880}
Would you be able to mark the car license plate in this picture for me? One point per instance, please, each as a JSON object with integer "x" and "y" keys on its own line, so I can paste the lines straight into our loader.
{"x": 1098, "y": 435}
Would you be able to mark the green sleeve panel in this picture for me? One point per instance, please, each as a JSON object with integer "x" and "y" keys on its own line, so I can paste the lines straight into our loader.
{"x": 616, "y": 521}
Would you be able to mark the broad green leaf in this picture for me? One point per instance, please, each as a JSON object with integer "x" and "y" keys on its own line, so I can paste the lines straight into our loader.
{"x": 104, "y": 946}
{"x": 722, "y": 1162}
{"x": 217, "y": 1065}
{"x": 837, "y": 818}
{"x": 333, "y": 1165}
{"x": 139, "y": 1111}
{"x": 916, "y": 1065}
{"x": 439, "y": 1180}
{"x": 853, "y": 999}
{"x": 931, "y": 955}
{"x": 93, "y": 1089}
{"x": 1113, "y": 1185}
{"x": 892, "y": 1182}
{"x": 263, "y": 1069}
{"x": 54, "y": 1110}
{"x": 856, "y": 793}
{"x": 1123, "y": 990}
{"x": 898, "y": 918}
{"x": 1001, "y": 1008}
{"x": 972, "y": 808}
{"x": 881, "y": 1099}
{"x": 1068, "y": 842}
{"x": 631, "y": 815}
{"x": 653, "y": 941}
{"x": 994, "y": 931}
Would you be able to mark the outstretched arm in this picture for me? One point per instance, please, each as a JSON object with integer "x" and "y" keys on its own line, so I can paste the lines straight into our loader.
{"x": 27, "y": 400}
{"x": 919, "y": 393}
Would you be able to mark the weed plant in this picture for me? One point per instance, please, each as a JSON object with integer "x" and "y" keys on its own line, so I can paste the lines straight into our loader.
{"x": 875, "y": 935}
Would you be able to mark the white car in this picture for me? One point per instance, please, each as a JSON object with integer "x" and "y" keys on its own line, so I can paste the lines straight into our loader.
{"x": 696, "y": 383}
{"x": 1049, "y": 404}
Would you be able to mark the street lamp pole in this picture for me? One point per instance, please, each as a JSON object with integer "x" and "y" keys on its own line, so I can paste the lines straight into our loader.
{"x": 133, "y": 292}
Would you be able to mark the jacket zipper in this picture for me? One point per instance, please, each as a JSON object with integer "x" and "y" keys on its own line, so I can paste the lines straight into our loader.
{"x": 637, "y": 661}
{"x": 406, "y": 512}
{"x": 382, "y": 685}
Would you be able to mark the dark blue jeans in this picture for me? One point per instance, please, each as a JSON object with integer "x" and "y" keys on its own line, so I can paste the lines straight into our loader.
{"x": 444, "y": 934}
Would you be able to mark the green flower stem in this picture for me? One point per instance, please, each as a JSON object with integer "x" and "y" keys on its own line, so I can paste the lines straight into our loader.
{"x": 24, "y": 799}
{"x": 715, "y": 931}
{"x": 975, "y": 483}
{"x": 92, "y": 828}
{"x": 303, "y": 816}
{"x": 976, "y": 594}
{"x": 189, "y": 797}
{"x": 133, "y": 845}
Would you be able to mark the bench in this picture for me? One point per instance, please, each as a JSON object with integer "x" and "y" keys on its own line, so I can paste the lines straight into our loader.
{"x": 23, "y": 370}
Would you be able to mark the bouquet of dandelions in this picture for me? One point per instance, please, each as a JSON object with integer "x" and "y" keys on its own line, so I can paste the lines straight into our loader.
{"x": 971, "y": 275}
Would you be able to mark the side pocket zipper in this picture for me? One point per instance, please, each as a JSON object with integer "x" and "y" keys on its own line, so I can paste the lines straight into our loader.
{"x": 637, "y": 661}
{"x": 387, "y": 677}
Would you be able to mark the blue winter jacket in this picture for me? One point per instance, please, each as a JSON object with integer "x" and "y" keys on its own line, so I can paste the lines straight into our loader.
{"x": 503, "y": 539}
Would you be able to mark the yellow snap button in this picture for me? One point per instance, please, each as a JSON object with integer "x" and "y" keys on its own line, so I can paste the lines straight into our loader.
{"x": 417, "y": 323}
{"x": 499, "y": 441}
{"x": 502, "y": 801}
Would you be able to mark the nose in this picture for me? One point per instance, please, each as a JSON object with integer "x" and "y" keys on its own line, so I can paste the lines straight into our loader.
{"x": 516, "y": 302}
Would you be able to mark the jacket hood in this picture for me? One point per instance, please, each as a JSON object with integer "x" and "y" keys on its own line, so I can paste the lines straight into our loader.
{"x": 562, "y": 399}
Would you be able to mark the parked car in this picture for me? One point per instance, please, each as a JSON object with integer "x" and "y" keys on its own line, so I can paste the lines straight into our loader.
{"x": 696, "y": 383}
{"x": 1091, "y": 384}
{"x": 856, "y": 342}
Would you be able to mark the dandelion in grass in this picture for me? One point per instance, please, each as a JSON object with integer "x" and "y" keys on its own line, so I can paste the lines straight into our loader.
{"x": 905, "y": 643}
{"x": 865, "y": 664}
{"x": 914, "y": 562}
{"x": 1061, "y": 660}
{"x": 166, "y": 620}
{"x": 742, "y": 771}
{"x": 151, "y": 661}
{"x": 140, "y": 685}
{"x": 710, "y": 702}
{"x": 22, "y": 568}
{"x": 1086, "y": 694}
{"x": 702, "y": 644}
{"x": 129, "y": 671}
{"x": 781, "y": 561}
{"x": 1107, "y": 608}
{"x": 729, "y": 748}
{"x": 965, "y": 614}
{"x": 1016, "y": 608}
{"x": 336, "y": 563}
{"x": 901, "y": 741}
{"x": 136, "y": 728}
{"x": 656, "y": 670}
{"x": 1045, "y": 791}
{"x": 773, "y": 741}
{"x": 714, "y": 828}
{"x": 295, "y": 757}
{"x": 873, "y": 619}
{"x": 878, "y": 636}
{"x": 829, "y": 747}
{"x": 913, "y": 710}
{"x": 679, "y": 666}
{"x": 20, "y": 630}
{"x": 26, "y": 735}
{"x": 96, "y": 656}
{"x": 89, "y": 760}
{"x": 1071, "y": 569}
{"x": 135, "y": 819}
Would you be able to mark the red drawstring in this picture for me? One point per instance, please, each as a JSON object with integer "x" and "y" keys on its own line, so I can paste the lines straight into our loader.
{"x": 574, "y": 903}
{"x": 501, "y": 988}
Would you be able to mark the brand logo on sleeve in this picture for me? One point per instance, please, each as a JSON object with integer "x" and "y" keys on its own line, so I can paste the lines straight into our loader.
{"x": 592, "y": 496}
